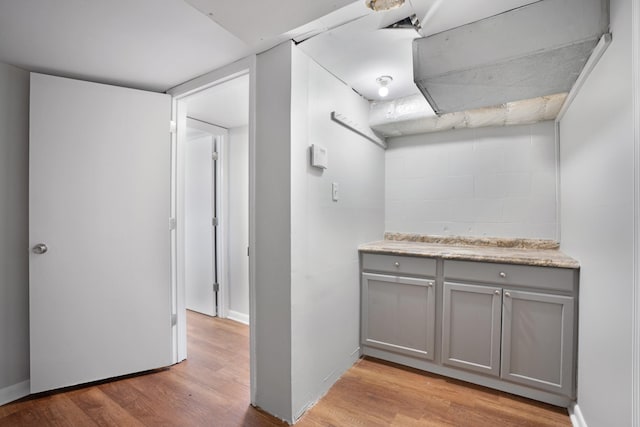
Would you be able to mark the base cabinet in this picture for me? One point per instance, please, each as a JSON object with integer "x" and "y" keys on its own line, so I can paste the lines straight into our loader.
{"x": 506, "y": 326}
{"x": 398, "y": 314}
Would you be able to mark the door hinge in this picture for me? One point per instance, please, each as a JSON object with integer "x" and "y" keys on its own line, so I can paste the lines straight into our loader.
{"x": 172, "y": 223}
{"x": 174, "y": 319}
{"x": 214, "y": 155}
{"x": 172, "y": 126}
{"x": 216, "y": 287}
{"x": 214, "y": 221}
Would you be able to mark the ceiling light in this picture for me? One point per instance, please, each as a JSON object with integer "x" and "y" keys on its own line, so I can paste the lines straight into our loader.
{"x": 379, "y": 5}
{"x": 383, "y": 81}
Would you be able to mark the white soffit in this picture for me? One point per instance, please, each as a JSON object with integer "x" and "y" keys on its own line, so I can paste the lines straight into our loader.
{"x": 447, "y": 14}
{"x": 225, "y": 105}
{"x": 265, "y": 21}
{"x": 524, "y": 53}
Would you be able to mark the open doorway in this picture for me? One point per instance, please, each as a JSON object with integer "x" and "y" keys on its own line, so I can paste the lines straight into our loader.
{"x": 212, "y": 203}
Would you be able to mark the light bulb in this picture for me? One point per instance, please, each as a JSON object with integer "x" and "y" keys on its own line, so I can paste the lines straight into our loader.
{"x": 383, "y": 81}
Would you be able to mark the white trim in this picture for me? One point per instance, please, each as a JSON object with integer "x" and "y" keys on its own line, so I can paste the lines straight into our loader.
{"x": 597, "y": 53}
{"x": 213, "y": 78}
{"x": 206, "y": 127}
{"x": 238, "y": 317}
{"x": 252, "y": 225}
{"x": 222, "y": 242}
{"x": 15, "y": 392}
{"x": 179, "y": 94}
{"x": 576, "y": 417}
{"x": 558, "y": 183}
{"x": 635, "y": 326}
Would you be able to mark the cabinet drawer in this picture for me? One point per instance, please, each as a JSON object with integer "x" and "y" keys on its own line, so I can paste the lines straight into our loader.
{"x": 557, "y": 279}
{"x": 399, "y": 264}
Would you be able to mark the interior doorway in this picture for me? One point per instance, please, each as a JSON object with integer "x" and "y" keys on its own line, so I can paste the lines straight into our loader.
{"x": 211, "y": 195}
{"x": 202, "y": 192}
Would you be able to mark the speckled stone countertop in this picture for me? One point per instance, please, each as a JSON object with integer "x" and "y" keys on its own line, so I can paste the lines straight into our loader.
{"x": 509, "y": 251}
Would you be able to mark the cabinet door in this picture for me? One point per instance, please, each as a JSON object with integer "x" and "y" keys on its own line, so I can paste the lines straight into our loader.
{"x": 471, "y": 327}
{"x": 398, "y": 314}
{"x": 537, "y": 340}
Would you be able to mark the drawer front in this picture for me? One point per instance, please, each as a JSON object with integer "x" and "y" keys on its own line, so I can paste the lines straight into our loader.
{"x": 399, "y": 264}
{"x": 557, "y": 279}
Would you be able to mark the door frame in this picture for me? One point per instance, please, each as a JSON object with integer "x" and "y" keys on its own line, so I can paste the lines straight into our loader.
{"x": 179, "y": 93}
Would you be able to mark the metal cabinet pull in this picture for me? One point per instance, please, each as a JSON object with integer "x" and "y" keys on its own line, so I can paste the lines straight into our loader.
{"x": 502, "y": 274}
{"x": 397, "y": 264}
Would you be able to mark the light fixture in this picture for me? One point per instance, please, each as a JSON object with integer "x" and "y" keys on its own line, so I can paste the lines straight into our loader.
{"x": 383, "y": 81}
{"x": 379, "y": 5}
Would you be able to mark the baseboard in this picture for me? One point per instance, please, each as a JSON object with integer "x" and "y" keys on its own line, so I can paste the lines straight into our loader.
{"x": 238, "y": 317}
{"x": 575, "y": 414}
{"x": 14, "y": 392}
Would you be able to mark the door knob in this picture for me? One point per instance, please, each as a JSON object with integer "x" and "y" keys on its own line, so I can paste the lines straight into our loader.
{"x": 40, "y": 249}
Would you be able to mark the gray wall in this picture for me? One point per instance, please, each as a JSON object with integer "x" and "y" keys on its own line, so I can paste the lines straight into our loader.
{"x": 272, "y": 251}
{"x": 238, "y": 182}
{"x": 14, "y": 270}
{"x": 306, "y": 279}
{"x": 498, "y": 182}
{"x": 325, "y": 294}
{"x": 597, "y": 225}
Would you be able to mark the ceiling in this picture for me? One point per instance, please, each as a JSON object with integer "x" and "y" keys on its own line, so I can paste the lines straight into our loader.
{"x": 157, "y": 44}
{"x": 360, "y": 51}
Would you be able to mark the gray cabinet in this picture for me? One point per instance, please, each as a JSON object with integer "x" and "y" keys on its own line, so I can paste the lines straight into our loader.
{"x": 537, "y": 340}
{"x": 506, "y": 326}
{"x": 398, "y": 314}
{"x": 531, "y": 337}
{"x": 471, "y": 327}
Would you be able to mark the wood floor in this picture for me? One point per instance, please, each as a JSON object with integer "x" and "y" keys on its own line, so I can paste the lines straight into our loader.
{"x": 211, "y": 388}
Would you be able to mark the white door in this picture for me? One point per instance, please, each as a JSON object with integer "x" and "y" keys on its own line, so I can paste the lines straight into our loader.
{"x": 100, "y": 294}
{"x": 199, "y": 227}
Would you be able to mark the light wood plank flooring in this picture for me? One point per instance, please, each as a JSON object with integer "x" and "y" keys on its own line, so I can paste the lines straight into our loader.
{"x": 211, "y": 388}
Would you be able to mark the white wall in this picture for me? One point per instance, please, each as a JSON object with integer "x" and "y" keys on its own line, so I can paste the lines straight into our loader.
{"x": 497, "y": 182}
{"x": 238, "y": 214}
{"x": 597, "y": 218}
{"x": 325, "y": 295}
{"x": 199, "y": 255}
{"x": 14, "y": 245}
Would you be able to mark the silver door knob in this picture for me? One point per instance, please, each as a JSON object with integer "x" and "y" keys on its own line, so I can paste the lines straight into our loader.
{"x": 40, "y": 249}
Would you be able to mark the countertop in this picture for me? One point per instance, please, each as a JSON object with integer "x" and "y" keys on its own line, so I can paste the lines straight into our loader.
{"x": 501, "y": 252}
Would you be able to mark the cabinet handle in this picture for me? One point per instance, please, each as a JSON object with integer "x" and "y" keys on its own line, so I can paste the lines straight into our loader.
{"x": 502, "y": 274}
{"x": 507, "y": 294}
{"x": 497, "y": 292}
{"x": 397, "y": 264}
